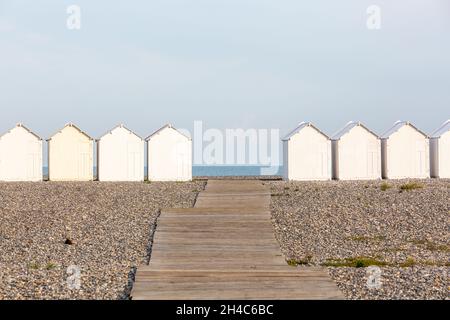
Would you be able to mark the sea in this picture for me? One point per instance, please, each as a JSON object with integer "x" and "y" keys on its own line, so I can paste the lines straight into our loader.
{"x": 227, "y": 171}
{"x": 224, "y": 171}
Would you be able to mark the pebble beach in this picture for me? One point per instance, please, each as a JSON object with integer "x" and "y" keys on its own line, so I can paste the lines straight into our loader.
{"x": 103, "y": 229}
{"x": 401, "y": 226}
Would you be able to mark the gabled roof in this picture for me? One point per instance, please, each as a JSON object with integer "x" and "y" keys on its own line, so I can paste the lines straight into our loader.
{"x": 167, "y": 126}
{"x": 119, "y": 126}
{"x": 445, "y": 127}
{"x": 349, "y": 126}
{"x": 397, "y": 125}
{"x": 20, "y": 125}
{"x": 73, "y": 126}
{"x": 301, "y": 126}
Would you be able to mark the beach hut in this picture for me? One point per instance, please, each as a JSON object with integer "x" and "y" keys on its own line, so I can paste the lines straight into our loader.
{"x": 440, "y": 151}
{"x": 306, "y": 154}
{"x": 405, "y": 152}
{"x": 70, "y": 155}
{"x": 169, "y": 155}
{"x": 20, "y": 155}
{"x": 356, "y": 153}
{"x": 120, "y": 155}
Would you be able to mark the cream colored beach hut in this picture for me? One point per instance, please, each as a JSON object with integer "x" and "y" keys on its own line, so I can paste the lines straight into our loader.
{"x": 70, "y": 155}
{"x": 169, "y": 155}
{"x": 120, "y": 155}
{"x": 356, "y": 153}
{"x": 405, "y": 152}
{"x": 306, "y": 154}
{"x": 440, "y": 151}
{"x": 20, "y": 155}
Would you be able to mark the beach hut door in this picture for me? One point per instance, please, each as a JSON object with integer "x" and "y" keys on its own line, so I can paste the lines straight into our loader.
{"x": 32, "y": 160}
{"x": 83, "y": 164}
{"x": 323, "y": 154}
{"x": 420, "y": 159}
{"x": 181, "y": 160}
{"x": 133, "y": 161}
{"x": 372, "y": 163}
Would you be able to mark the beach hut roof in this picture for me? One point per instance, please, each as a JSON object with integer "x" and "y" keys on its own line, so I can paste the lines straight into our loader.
{"x": 349, "y": 126}
{"x": 73, "y": 126}
{"x": 445, "y": 127}
{"x": 301, "y": 126}
{"x": 167, "y": 126}
{"x": 20, "y": 125}
{"x": 399, "y": 124}
{"x": 120, "y": 126}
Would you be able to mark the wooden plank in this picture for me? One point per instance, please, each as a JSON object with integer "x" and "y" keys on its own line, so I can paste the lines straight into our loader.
{"x": 215, "y": 228}
{"x": 286, "y": 272}
{"x": 220, "y": 260}
{"x": 217, "y": 223}
{"x": 218, "y": 211}
{"x": 225, "y": 248}
{"x": 209, "y": 293}
{"x": 214, "y": 247}
{"x": 211, "y": 235}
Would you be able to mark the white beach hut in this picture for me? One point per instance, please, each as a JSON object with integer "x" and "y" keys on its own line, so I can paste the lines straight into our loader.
{"x": 169, "y": 155}
{"x": 356, "y": 153}
{"x": 70, "y": 155}
{"x": 306, "y": 154}
{"x": 120, "y": 156}
{"x": 20, "y": 155}
{"x": 405, "y": 152}
{"x": 440, "y": 151}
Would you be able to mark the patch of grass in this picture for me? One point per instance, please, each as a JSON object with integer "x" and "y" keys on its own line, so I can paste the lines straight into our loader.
{"x": 147, "y": 182}
{"x": 431, "y": 263}
{"x": 385, "y": 186}
{"x": 292, "y": 262}
{"x": 419, "y": 241}
{"x": 33, "y": 266}
{"x": 436, "y": 247}
{"x": 358, "y": 262}
{"x": 280, "y": 194}
{"x": 364, "y": 262}
{"x": 434, "y": 263}
{"x": 429, "y": 245}
{"x": 50, "y": 266}
{"x": 411, "y": 186}
{"x": 409, "y": 262}
{"x": 441, "y": 247}
{"x": 295, "y": 262}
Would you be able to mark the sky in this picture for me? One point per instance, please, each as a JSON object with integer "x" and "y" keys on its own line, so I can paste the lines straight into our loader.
{"x": 228, "y": 63}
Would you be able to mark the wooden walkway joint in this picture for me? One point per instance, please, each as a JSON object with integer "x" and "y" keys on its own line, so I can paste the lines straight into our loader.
{"x": 225, "y": 248}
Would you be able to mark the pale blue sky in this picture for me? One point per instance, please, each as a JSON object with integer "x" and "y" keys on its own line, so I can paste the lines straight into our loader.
{"x": 230, "y": 63}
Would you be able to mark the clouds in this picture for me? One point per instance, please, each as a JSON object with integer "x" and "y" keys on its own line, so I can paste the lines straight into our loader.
{"x": 271, "y": 63}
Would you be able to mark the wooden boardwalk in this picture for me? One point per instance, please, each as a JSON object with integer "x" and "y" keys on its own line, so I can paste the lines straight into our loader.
{"x": 224, "y": 248}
